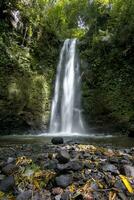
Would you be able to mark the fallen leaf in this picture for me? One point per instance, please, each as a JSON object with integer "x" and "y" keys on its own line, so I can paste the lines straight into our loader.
{"x": 126, "y": 183}
{"x": 23, "y": 160}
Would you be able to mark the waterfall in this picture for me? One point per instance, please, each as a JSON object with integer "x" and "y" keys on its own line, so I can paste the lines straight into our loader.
{"x": 66, "y": 104}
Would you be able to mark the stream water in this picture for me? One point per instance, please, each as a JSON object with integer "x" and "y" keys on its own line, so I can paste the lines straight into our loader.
{"x": 99, "y": 139}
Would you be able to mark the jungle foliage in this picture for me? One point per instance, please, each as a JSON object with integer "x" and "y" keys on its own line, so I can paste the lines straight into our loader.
{"x": 31, "y": 35}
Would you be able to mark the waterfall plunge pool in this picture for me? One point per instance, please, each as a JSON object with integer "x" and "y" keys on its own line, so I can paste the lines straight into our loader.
{"x": 118, "y": 141}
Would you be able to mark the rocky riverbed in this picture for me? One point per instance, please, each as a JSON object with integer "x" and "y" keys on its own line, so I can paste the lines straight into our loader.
{"x": 66, "y": 172}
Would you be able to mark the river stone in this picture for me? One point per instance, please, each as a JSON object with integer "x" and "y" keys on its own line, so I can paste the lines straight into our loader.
{"x": 63, "y": 167}
{"x": 110, "y": 168}
{"x": 64, "y": 180}
{"x": 57, "y": 191}
{"x": 63, "y": 156}
{"x": 113, "y": 160}
{"x": 94, "y": 186}
{"x": 57, "y": 197}
{"x": 2, "y": 177}
{"x": 75, "y": 165}
{"x": 27, "y": 195}
{"x": 7, "y": 184}
{"x": 129, "y": 170}
{"x": 119, "y": 185}
{"x": 52, "y": 164}
{"x": 65, "y": 196}
{"x": 10, "y": 160}
{"x": 9, "y": 169}
{"x": 122, "y": 196}
{"x": 72, "y": 165}
{"x": 79, "y": 197}
{"x": 57, "y": 140}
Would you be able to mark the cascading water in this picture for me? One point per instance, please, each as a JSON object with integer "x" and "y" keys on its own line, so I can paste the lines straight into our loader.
{"x": 66, "y": 108}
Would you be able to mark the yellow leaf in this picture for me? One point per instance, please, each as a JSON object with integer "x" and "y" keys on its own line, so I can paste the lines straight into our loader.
{"x": 38, "y": 174}
{"x": 1, "y": 194}
{"x": 72, "y": 188}
{"x": 100, "y": 185}
{"x": 23, "y": 160}
{"x": 36, "y": 184}
{"x": 126, "y": 183}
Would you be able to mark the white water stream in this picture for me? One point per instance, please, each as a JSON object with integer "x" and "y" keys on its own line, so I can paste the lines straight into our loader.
{"x": 66, "y": 104}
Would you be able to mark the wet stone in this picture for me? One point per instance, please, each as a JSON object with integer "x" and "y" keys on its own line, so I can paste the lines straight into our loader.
{"x": 125, "y": 161}
{"x": 57, "y": 197}
{"x": 94, "y": 186}
{"x": 129, "y": 170}
{"x": 57, "y": 191}
{"x": 7, "y": 184}
{"x": 51, "y": 164}
{"x": 113, "y": 160}
{"x": 75, "y": 165}
{"x": 25, "y": 195}
{"x": 63, "y": 156}
{"x": 122, "y": 196}
{"x": 65, "y": 196}
{"x": 57, "y": 140}
{"x": 79, "y": 197}
{"x": 86, "y": 155}
{"x": 110, "y": 168}
{"x": 119, "y": 185}
{"x": 81, "y": 182}
{"x": 10, "y": 160}
{"x": 63, "y": 167}
{"x": 2, "y": 177}
{"x": 64, "y": 180}
{"x": 9, "y": 169}
{"x": 72, "y": 166}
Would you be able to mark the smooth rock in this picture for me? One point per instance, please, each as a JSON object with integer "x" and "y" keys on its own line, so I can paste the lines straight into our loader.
{"x": 63, "y": 167}
{"x": 122, "y": 196}
{"x": 65, "y": 196}
{"x": 27, "y": 195}
{"x": 72, "y": 165}
{"x": 10, "y": 160}
{"x": 7, "y": 184}
{"x": 119, "y": 185}
{"x": 9, "y": 169}
{"x": 57, "y": 140}
{"x": 94, "y": 186}
{"x": 2, "y": 177}
{"x": 63, "y": 156}
{"x": 125, "y": 161}
{"x": 42, "y": 195}
{"x": 57, "y": 191}
{"x": 110, "y": 168}
{"x": 52, "y": 164}
{"x": 79, "y": 197}
{"x": 129, "y": 170}
{"x": 57, "y": 197}
{"x": 113, "y": 160}
{"x": 75, "y": 165}
{"x": 64, "y": 180}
